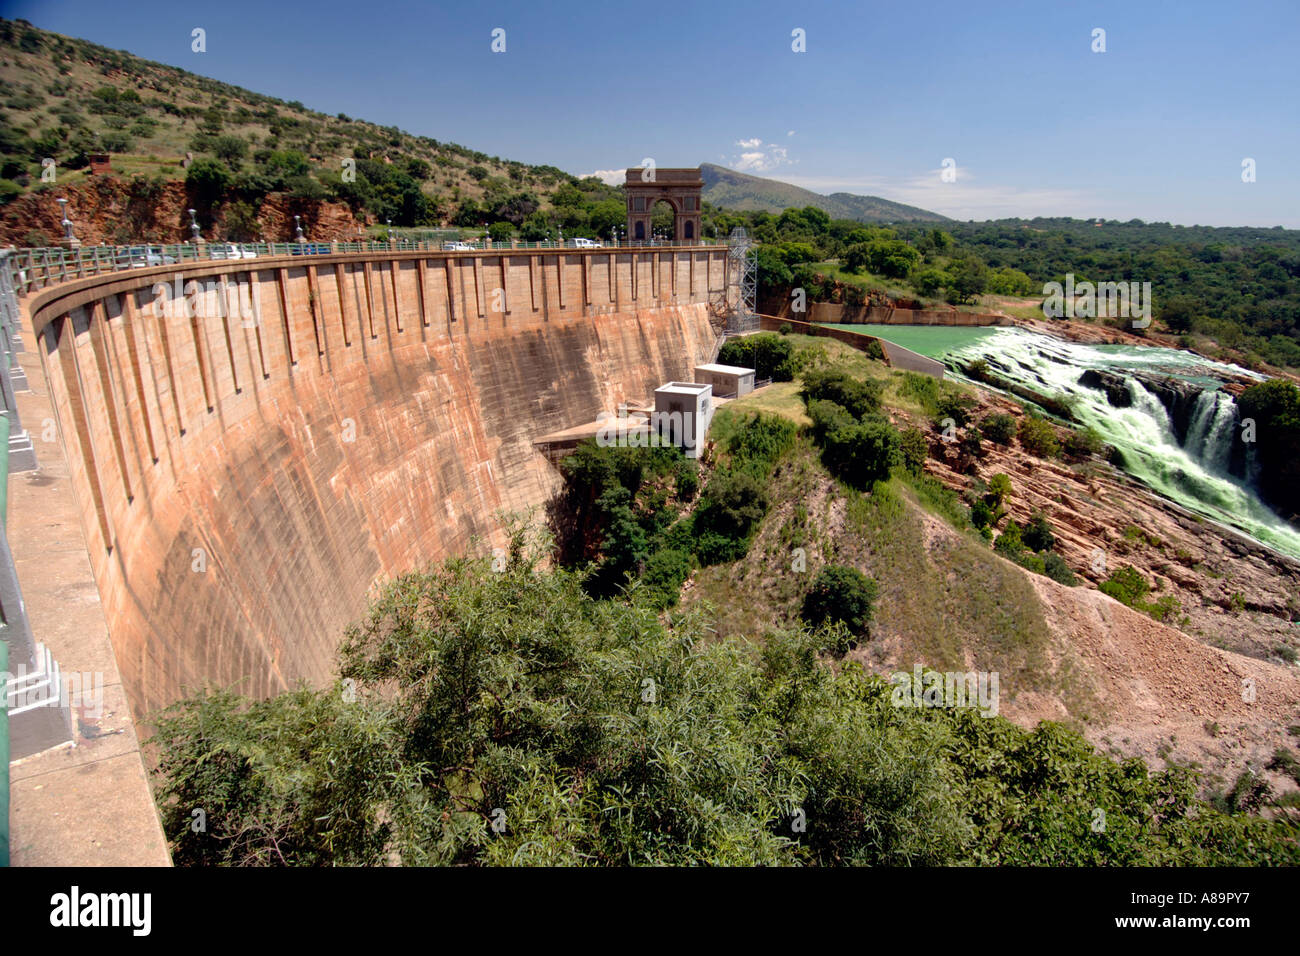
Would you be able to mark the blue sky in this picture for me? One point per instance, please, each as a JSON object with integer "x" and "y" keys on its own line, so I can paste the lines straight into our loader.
{"x": 1154, "y": 128}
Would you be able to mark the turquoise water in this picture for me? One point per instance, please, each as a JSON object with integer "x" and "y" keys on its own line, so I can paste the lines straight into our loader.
{"x": 933, "y": 341}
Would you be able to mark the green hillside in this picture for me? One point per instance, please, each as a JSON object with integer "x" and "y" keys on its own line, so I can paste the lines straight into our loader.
{"x": 63, "y": 99}
{"x": 745, "y": 193}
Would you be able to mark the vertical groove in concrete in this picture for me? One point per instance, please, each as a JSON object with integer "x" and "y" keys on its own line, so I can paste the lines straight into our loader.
{"x": 297, "y": 520}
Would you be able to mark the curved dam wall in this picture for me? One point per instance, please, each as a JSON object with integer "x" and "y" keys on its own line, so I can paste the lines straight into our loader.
{"x": 253, "y": 444}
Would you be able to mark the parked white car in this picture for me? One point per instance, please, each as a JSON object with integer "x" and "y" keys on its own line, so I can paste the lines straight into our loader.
{"x": 457, "y": 247}
{"x": 580, "y": 243}
{"x": 141, "y": 257}
{"x": 229, "y": 250}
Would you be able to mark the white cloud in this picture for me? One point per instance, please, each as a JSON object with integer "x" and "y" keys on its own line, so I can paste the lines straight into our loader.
{"x": 758, "y": 156}
{"x": 611, "y": 177}
{"x": 789, "y": 132}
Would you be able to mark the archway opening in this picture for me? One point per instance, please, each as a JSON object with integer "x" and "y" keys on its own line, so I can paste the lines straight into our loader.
{"x": 663, "y": 221}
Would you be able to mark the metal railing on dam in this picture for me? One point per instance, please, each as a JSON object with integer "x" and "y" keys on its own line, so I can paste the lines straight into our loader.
{"x": 251, "y": 455}
{"x": 31, "y": 269}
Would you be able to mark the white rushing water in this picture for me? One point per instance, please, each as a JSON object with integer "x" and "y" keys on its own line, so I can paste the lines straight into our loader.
{"x": 1195, "y": 473}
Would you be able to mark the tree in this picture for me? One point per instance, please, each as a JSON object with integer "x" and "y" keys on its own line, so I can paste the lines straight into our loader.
{"x": 767, "y": 353}
{"x": 967, "y": 277}
{"x": 999, "y": 427}
{"x": 857, "y": 396}
{"x": 1180, "y": 313}
{"x": 840, "y": 594}
{"x": 1038, "y": 534}
{"x": 1274, "y": 409}
{"x": 929, "y": 282}
{"x": 1038, "y": 437}
{"x": 501, "y": 232}
{"x": 999, "y": 490}
{"x": 232, "y": 149}
{"x": 207, "y": 179}
{"x": 605, "y": 216}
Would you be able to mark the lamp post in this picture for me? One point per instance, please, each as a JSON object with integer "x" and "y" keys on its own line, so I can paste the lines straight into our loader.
{"x": 390, "y": 230}
{"x": 72, "y": 241}
{"x": 194, "y": 227}
{"x": 297, "y": 228}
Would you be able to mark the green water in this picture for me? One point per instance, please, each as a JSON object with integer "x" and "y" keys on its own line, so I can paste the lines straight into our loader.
{"x": 932, "y": 341}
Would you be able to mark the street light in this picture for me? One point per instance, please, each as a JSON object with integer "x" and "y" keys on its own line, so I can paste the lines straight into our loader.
{"x": 297, "y": 228}
{"x": 390, "y": 230}
{"x": 194, "y": 225}
{"x": 66, "y": 223}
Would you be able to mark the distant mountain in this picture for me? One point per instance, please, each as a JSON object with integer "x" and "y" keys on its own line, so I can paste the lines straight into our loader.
{"x": 740, "y": 191}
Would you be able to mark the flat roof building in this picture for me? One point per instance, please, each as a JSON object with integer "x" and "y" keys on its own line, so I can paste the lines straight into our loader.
{"x": 728, "y": 381}
{"x": 683, "y": 411}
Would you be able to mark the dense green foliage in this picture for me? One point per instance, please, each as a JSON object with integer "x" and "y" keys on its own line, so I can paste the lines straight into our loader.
{"x": 856, "y": 396}
{"x": 1038, "y": 437}
{"x": 508, "y": 718}
{"x": 840, "y": 594}
{"x": 1274, "y": 407}
{"x": 768, "y": 354}
{"x": 999, "y": 428}
{"x": 628, "y": 513}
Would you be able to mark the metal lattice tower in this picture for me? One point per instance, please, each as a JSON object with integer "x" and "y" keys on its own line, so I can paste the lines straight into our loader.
{"x": 743, "y": 259}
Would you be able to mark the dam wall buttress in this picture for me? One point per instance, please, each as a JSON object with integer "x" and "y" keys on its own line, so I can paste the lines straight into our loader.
{"x": 255, "y": 443}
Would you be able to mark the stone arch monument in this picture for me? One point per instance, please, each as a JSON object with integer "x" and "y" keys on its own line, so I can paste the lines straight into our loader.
{"x": 680, "y": 188}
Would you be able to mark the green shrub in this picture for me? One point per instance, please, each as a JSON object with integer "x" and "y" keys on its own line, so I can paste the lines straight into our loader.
{"x": 827, "y": 417}
{"x": 999, "y": 490}
{"x": 857, "y": 396}
{"x": 840, "y": 593}
{"x": 786, "y": 328}
{"x": 1083, "y": 442}
{"x": 1054, "y": 567}
{"x": 981, "y": 515}
{"x": 1039, "y": 438}
{"x": 1009, "y": 543}
{"x": 730, "y": 509}
{"x": 1038, "y": 534}
{"x": 999, "y": 427}
{"x": 864, "y": 453}
{"x": 664, "y": 573}
{"x": 923, "y": 389}
{"x": 1125, "y": 585}
{"x": 761, "y": 440}
{"x": 767, "y": 353}
{"x": 956, "y": 406}
{"x": 914, "y": 448}
{"x": 687, "y": 478}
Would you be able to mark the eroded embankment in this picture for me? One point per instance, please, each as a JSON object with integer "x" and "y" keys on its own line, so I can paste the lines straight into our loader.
{"x": 244, "y": 481}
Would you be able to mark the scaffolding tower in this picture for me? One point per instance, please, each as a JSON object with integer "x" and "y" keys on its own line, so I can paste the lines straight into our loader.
{"x": 742, "y": 263}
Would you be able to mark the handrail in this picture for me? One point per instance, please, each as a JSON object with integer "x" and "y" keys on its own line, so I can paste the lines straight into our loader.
{"x": 33, "y": 269}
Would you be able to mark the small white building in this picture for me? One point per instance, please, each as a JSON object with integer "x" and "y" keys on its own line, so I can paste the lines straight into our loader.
{"x": 682, "y": 414}
{"x": 728, "y": 381}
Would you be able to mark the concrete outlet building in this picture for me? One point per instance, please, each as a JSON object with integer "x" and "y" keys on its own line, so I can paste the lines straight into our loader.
{"x": 682, "y": 414}
{"x": 728, "y": 381}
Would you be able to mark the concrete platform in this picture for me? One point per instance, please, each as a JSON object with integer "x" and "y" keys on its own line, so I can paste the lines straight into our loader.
{"x": 88, "y": 804}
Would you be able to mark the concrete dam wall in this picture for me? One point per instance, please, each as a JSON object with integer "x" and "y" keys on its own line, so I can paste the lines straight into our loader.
{"x": 253, "y": 451}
